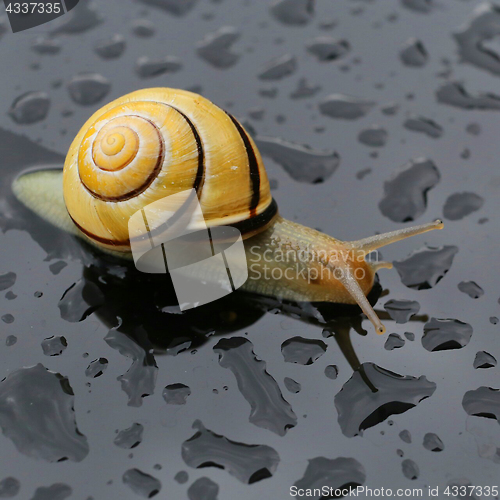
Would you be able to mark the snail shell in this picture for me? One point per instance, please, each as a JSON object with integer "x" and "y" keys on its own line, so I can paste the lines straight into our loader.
{"x": 152, "y": 143}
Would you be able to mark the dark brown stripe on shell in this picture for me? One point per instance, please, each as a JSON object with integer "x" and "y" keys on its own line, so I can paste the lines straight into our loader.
{"x": 200, "y": 174}
{"x": 252, "y": 164}
{"x": 253, "y": 223}
{"x": 105, "y": 241}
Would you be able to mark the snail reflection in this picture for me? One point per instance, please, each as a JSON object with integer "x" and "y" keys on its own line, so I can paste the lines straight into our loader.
{"x": 146, "y": 322}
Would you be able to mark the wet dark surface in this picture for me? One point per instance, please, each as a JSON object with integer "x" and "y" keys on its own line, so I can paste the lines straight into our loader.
{"x": 356, "y": 142}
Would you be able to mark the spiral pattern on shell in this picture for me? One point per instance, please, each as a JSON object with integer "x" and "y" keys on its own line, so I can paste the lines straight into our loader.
{"x": 153, "y": 143}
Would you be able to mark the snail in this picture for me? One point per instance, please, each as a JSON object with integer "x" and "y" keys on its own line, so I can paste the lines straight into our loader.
{"x": 155, "y": 142}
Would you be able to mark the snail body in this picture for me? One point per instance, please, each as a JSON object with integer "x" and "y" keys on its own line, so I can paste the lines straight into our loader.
{"x": 153, "y": 143}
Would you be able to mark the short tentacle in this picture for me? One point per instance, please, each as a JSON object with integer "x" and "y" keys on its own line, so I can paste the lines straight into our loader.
{"x": 351, "y": 284}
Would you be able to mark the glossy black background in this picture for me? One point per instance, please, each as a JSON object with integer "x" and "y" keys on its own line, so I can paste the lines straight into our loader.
{"x": 342, "y": 206}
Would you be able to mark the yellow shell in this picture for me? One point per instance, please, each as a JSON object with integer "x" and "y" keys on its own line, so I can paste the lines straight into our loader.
{"x": 155, "y": 142}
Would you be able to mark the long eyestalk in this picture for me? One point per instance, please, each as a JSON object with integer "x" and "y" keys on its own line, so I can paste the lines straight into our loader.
{"x": 371, "y": 243}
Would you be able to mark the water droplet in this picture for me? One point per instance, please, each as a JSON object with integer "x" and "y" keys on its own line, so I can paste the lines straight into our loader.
{"x": 374, "y": 136}
{"x": 326, "y": 48}
{"x": 301, "y": 162}
{"x": 110, "y": 48}
{"x": 143, "y": 28}
{"x": 401, "y": 310}
{"x": 345, "y": 107}
{"x": 256, "y": 113}
{"x": 10, "y": 340}
{"x": 96, "y": 368}
{"x": 147, "y": 67}
{"x": 405, "y": 436}
{"x": 484, "y": 359}
{"x": 423, "y": 6}
{"x": 8, "y": 318}
{"x": 42, "y": 45}
{"x": 270, "y": 93}
{"x": 80, "y": 300}
{"x": 129, "y": 438}
{"x": 465, "y": 154}
{"x": 175, "y": 7}
{"x": 494, "y": 320}
{"x": 332, "y": 372}
{"x": 425, "y": 267}
{"x": 410, "y": 336}
{"x": 292, "y": 386}
{"x": 29, "y": 399}
{"x": 373, "y": 394}
{"x": 203, "y": 489}
{"x": 405, "y": 194}
{"x": 140, "y": 379}
{"x": 473, "y": 128}
{"x": 327, "y": 24}
{"x": 78, "y": 21}
{"x": 29, "y": 108}
{"x": 141, "y": 483}
{"x": 181, "y": 477}
{"x": 471, "y": 288}
{"x": 176, "y": 394}
{"x": 483, "y": 402}
{"x": 278, "y": 68}
{"x": 304, "y": 89}
{"x": 459, "y": 205}
{"x": 424, "y": 125}
{"x": 247, "y": 463}
{"x": 475, "y": 37}
{"x": 432, "y": 442}
{"x": 413, "y": 53}
{"x": 410, "y": 469}
{"x": 293, "y": 12}
{"x": 332, "y": 473}
{"x": 7, "y": 280}
{"x": 302, "y": 351}
{"x": 455, "y": 94}
{"x": 216, "y": 47}
{"x": 390, "y": 109}
{"x": 9, "y": 487}
{"x": 394, "y": 341}
{"x": 57, "y": 491}
{"x": 446, "y": 334}
{"x": 57, "y": 267}
{"x": 363, "y": 173}
{"x": 269, "y": 409}
{"x": 54, "y": 346}
{"x": 88, "y": 88}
